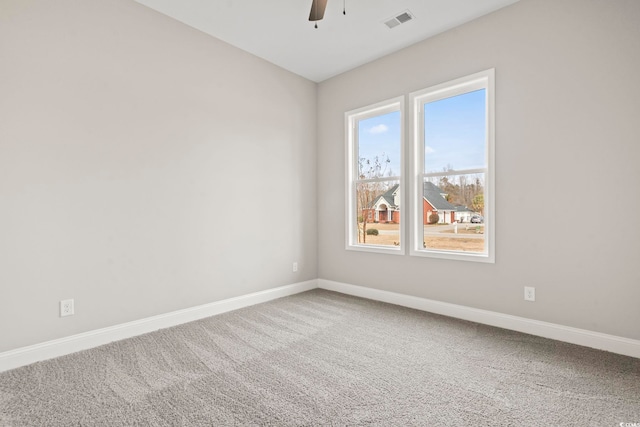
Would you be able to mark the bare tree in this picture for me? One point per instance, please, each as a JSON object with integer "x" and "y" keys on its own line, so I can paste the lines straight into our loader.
{"x": 460, "y": 189}
{"x": 368, "y": 191}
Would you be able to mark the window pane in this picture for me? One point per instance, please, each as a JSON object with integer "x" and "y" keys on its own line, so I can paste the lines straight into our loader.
{"x": 454, "y": 195}
{"x": 379, "y": 146}
{"x": 455, "y": 132}
{"x": 374, "y": 161}
{"x": 453, "y": 209}
{"x": 378, "y": 213}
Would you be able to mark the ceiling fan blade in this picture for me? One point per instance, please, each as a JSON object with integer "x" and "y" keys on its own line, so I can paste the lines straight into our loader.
{"x": 317, "y": 10}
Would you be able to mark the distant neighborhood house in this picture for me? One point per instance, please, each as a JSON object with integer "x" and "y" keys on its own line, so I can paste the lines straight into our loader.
{"x": 386, "y": 207}
{"x": 463, "y": 213}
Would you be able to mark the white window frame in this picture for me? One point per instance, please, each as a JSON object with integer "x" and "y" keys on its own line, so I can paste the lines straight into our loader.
{"x": 351, "y": 132}
{"x": 482, "y": 80}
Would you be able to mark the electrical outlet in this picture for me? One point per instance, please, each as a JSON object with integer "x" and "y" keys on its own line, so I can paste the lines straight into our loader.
{"x": 66, "y": 308}
{"x": 295, "y": 267}
{"x": 529, "y": 293}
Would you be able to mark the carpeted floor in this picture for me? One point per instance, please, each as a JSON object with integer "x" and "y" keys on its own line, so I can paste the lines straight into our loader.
{"x": 323, "y": 358}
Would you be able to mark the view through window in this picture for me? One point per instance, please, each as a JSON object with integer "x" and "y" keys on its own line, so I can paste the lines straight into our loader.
{"x": 452, "y": 150}
{"x": 375, "y": 149}
{"x": 450, "y": 205}
{"x": 454, "y": 162}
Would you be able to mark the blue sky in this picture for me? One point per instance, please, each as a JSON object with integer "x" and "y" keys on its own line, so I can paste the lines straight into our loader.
{"x": 455, "y": 132}
{"x": 381, "y": 135}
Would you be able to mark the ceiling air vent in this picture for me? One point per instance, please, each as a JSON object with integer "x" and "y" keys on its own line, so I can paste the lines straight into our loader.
{"x": 405, "y": 16}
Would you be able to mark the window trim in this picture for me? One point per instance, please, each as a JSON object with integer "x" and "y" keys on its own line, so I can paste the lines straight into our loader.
{"x": 351, "y": 119}
{"x": 481, "y": 80}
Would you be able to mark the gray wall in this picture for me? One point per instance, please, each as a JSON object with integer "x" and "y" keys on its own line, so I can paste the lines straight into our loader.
{"x": 567, "y": 155}
{"x": 144, "y": 167}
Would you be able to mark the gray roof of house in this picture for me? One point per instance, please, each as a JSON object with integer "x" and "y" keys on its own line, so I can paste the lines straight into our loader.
{"x": 388, "y": 197}
{"x": 463, "y": 208}
{"x": 433, "y": 194}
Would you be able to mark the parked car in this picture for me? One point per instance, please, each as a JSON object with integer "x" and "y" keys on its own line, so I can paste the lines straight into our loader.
{"x": 477, "y": 219}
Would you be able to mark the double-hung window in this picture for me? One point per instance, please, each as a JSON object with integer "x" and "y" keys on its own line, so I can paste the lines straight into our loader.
{"x": 374, "y": 190}
{"x": 450, "y": 208}
{"x": 452, "y": 169}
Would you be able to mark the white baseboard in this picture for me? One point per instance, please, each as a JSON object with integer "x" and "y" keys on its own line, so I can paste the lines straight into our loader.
{"x": 59, "y": 347}
{"x": 600, "y": 341}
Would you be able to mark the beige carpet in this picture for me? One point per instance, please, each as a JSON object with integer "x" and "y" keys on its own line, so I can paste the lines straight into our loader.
{"x": 322, "y": 358}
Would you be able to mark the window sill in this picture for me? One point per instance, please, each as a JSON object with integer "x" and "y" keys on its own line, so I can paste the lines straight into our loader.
{"x": 454, "y": 255}
{"x": 395, "y": 250}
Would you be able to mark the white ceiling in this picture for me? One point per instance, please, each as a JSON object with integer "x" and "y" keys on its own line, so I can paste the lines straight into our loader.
{"x": 279, "y": 30}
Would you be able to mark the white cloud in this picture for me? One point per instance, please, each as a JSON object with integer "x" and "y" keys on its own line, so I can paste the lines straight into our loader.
{"x": 428, "y": 150}
{"x": 379, "y": 129}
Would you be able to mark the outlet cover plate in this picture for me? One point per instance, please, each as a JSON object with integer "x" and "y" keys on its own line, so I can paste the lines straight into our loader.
{"x": 529, "y": 293}
{"x": 66, "y": 308}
